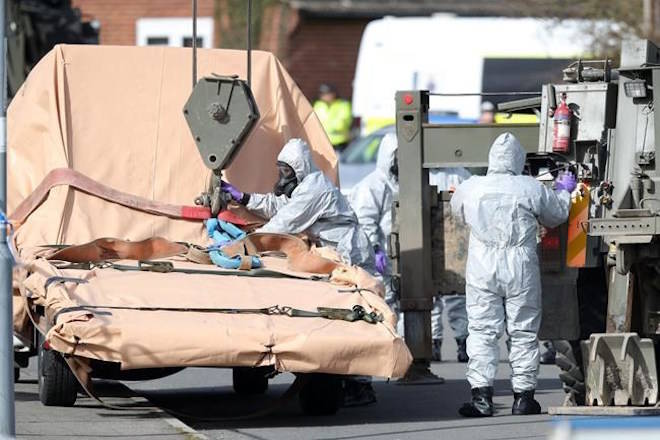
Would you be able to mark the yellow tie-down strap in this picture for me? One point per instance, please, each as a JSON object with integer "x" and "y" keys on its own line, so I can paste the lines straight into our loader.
{"x": 578, "y": 218}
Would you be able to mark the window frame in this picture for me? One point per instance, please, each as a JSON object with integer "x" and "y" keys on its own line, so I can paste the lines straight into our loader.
{"x": 175, "y": 29}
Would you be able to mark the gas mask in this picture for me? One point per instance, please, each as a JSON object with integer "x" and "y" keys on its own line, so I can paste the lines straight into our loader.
{"x": 287, "y": 180}
{"x": 394, "y": 169}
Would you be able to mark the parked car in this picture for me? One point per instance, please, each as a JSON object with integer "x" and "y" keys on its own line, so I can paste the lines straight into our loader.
{"x": 359, "y": 158}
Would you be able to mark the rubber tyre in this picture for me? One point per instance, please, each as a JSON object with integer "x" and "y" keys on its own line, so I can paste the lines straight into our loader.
{"x": 592, "y": 309}
{"x": 17, "y": 374}
{"x": 592, "y": 301}
{"x": 249, "y": 381}
{"x": 321, "y": 395}
{"x": 57, "y": 384}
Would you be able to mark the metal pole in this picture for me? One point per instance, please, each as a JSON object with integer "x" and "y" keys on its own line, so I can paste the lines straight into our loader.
{"x": 194, "y": 43}
{"x": 249, "y": 43}
{"x": 7, "y": 426}
{"x": 415, "y": 234}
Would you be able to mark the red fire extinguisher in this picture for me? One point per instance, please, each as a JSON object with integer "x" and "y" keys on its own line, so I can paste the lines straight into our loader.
{"x": 562, "y": 127}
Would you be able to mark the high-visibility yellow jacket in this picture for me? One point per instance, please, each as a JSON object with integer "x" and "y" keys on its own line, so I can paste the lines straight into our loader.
{"x": 336, "y": 119}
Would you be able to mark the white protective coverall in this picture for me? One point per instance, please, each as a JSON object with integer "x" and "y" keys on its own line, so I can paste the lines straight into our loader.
{"x": 446, "y": 179}
{"x": 316, "y": 207}
{"x": 503, "y": 284}
{"x": 372, "y": 200}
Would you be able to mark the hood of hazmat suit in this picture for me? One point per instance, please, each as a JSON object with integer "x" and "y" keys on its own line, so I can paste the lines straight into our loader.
{"x": 506, "y": 156}
{"x": 297, "y": 155}
{"x": 386, "y": 160}
{"x": 316, "y": 207}
{"x": 503, "y": 210}
{"x": 372, "y": 197}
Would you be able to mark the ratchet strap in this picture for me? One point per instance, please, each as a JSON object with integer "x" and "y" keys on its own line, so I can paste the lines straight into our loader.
{"x": 77, "y": 180}
{"x": 357, "y": 313}
{"x": 168, "y": 267}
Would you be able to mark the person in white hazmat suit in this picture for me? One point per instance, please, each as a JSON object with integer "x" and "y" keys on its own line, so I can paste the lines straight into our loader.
{"x": 372, "y": 200}
{"x": 448, "y": 179}
{"x": 503, "y": 285}
{"x": 305, "y": 200}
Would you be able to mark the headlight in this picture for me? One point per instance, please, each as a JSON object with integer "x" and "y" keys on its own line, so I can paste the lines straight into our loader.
{"x": 635, "y": 88}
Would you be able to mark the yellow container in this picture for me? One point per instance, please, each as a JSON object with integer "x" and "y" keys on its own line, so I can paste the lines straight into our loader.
{"x": 578, "y": 219}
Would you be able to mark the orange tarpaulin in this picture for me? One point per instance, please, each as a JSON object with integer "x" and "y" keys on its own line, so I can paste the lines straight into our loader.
{"x": 114, "y": 114}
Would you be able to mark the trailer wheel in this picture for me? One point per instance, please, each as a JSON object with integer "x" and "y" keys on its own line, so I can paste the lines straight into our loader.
{"x": 321, "y": 395}
{"x": 57, "y": 384}
{"x": 250, "y": 381}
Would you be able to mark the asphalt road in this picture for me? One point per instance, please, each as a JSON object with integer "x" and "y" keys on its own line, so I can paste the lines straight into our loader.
{"x": 89, "y": 420}
{"x": 402, "y": 412}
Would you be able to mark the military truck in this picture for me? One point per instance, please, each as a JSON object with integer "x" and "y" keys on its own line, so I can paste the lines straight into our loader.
{"x": 601, "y": 302}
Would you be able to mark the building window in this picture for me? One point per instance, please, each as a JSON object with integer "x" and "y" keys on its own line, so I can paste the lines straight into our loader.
{"x": 158, "y": 41}
{"x": 175, "y": 32}
{"x": 187, "y": 42}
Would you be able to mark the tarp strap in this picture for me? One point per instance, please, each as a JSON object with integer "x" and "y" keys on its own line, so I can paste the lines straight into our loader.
{"x": 77, "y": 180}
{"x": 59, "y": 280}
{"x": 168, "y": 267}
{"x": 197, "y": 254}
{"x": 357, "y": 313}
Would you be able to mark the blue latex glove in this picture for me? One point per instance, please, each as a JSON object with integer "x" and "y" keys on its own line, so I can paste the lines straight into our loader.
{"x": 381, "y": 260}
{"x": 230, "y": 189}
{"x": 566, "y": 181}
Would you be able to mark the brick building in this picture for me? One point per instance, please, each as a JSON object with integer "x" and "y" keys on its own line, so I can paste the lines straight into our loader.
{"x": 156, "y": 22}
{"x": 323, "y": 36}
{"x": 314, "y": 47}
{"x": 317, "y": 40}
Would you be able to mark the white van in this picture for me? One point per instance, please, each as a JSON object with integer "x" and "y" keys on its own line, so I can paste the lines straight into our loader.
{"x": 445, "y": 53}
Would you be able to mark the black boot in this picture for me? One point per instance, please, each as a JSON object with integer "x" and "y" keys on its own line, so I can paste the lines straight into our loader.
{"x": 436, "y": 350}
{"x": 461, "y": 351}
{"x": 525, "y": 404}
{"x": 481, "y": 405}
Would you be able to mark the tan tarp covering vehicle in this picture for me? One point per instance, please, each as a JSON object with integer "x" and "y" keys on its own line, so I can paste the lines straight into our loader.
{"x": 115, "y": 115}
